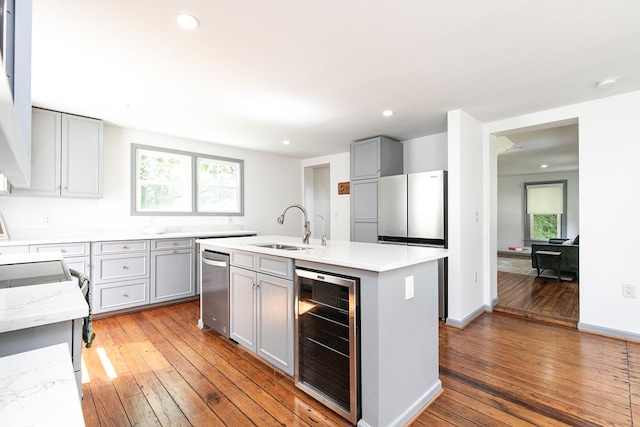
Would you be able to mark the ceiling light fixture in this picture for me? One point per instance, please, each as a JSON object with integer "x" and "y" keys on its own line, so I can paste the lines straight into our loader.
{"x": 387, "y": 113}
{"x": 608, "y": 82}
{"x": 187, "y": 22}
{"x": 286, "y": 142}
{"x": 544, "y": 166}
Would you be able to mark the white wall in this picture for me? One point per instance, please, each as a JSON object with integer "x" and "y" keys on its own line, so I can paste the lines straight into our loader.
{"x": 340, "y": 228}
{"x": 424, "y": 154}
{"x": 511, "y": 205}
{"x": 271, "y": 183}
{"x": 609, "y": 157}
{"x": 466, "y": 291}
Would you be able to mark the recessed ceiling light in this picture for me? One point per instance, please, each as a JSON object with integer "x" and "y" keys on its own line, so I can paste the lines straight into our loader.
{"x": 543, "y": 166}
{"x": 387, "y": 113}
{"x": 608, "y": 82}
{"x": 286, "y": 142}
{"x": 187, "y": 22}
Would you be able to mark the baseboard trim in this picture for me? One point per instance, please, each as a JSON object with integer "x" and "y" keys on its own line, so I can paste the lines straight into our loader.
{"x": 461, "y": 324}
{"x": 608, "y": 332}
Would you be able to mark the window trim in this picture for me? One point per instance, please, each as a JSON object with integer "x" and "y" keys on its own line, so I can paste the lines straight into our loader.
{"x": 528, "y": 240}
{"x": 194, "y": 182}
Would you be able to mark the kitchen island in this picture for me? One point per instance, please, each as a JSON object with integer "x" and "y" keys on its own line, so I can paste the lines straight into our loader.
{"x": 398, "y": 316}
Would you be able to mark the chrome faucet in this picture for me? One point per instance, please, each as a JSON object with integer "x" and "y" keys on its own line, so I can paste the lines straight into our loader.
{"x": 307, "y": 227}
{"x": 324, "y": 235}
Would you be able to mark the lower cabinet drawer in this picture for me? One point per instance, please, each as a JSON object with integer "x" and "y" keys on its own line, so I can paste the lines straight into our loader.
{"x": 115, "y": 296}
{"x": 120, "y": 267}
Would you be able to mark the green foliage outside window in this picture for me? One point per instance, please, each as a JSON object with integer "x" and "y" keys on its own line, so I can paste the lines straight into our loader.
{"x": 545, "y": 226}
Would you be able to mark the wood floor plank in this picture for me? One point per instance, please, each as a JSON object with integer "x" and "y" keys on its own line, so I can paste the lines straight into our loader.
{"x": 194, "y": 367}
{"x": 499, "y": 370}
{"x": 268, "y": 378}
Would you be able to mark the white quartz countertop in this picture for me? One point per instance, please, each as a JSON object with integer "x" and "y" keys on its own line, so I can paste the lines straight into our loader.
{"x": 363, "y": 256}
{"x": 38, "y": 388}
{"x": 125, "y": 234}
{"x": 30, "y": 306}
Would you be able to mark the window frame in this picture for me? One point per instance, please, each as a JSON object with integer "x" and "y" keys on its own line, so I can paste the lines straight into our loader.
{"x": 194, "y": 156}
{"x": 528, "y": 223}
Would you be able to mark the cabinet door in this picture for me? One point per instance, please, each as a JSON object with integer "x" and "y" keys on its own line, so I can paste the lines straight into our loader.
{"x": 365, "y": 159}
{"x": 81, "y": 157}
{"x": 366, "y": 232}
{"x": 45, "y": 154}
{"x": 364, "y": 200}
{"x": 242, "y": 298}
{"x": 79, "y": 264}
{"x": 275, "y": 321}
{"x": 172, "y": 275}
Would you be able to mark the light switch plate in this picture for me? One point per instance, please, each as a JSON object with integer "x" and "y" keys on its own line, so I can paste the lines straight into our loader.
{"x": 408, "y": 287}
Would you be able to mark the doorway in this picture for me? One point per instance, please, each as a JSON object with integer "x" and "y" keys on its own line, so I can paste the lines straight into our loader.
{"x": 537, "y": 154}
{"x": 317, "y": 199}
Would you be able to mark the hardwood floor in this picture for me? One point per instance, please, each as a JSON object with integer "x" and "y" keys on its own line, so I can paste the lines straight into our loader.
{"x": 542, "y": 299}
{"x": 500, "y": 370}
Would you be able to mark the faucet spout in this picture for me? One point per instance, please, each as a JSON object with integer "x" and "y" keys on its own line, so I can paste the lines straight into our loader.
{"x": 307, "y": 226}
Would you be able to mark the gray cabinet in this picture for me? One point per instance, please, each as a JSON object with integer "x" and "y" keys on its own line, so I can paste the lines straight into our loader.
{"x": 370, "y": 159}
{"x": 76, "y": 255}
{"x": 261, "y": 300}
{"x": 66, "y": 156}
{"x": 172, "y": 269}
{"x": 120, "y": 275}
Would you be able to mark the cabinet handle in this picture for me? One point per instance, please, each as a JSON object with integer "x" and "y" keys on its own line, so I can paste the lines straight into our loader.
{"x": 124, "y": 267}
{"x": 63, "y": 251}
{"x": 125, "y": 295}
{"x": 175, "y": 243}
{"x": 125, "y": 247}
{"x": 175, "y": 252}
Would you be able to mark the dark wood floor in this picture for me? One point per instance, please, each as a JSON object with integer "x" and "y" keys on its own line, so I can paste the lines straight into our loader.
{"x": 541, "y": 299}
{"x": 498, "y": 371}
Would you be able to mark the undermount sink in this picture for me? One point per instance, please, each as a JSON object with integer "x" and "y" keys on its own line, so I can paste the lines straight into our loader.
{"x": 280, "y": 246}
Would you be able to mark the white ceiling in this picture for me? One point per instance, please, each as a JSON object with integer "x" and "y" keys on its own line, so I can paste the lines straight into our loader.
{"x": 319, "y": 73}
{"x": 555, "y": 147}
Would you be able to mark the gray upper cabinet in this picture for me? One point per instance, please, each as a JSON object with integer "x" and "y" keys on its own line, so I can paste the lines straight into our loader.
{"x": 370, "y": 159}
{"x": 375, "y": 157}
{"x": 66, "y": 156}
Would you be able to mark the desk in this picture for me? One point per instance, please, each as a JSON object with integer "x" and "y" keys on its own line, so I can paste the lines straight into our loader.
{"x": 548, "y": 260}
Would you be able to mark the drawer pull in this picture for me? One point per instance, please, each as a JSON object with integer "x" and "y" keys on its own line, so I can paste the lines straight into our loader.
{"x": 176, "y": 252}
{"x": 124, "y": 267}
{"x": 63, "y": 251}
{"x": 176, "y": 244}
{"x": 125, "y": 247}
{"x": 125, "y": 295}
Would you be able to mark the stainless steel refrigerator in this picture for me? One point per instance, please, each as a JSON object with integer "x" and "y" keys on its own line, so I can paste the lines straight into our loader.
{"x": 412, "y": 210}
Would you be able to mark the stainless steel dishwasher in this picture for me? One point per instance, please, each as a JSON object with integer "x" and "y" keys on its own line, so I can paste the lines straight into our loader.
{"x": 215, "y": 291}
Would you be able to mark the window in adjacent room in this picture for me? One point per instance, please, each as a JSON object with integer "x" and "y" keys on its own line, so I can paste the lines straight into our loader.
{"x": 546, "y": 205}
{"x": 171, "y": 182}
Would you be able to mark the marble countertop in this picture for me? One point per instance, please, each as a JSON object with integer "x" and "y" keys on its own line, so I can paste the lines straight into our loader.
{"x": 363, "y": 256}
{"x": 36, "y": 305}
{"x": 38, "y": 388}
{"x": 119, "y": 234}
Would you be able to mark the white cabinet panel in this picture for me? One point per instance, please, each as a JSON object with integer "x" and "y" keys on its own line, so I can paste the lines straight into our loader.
{"x": 275, "y": 266}
{"x": 120, "y": 247}
{"x": 120, "y": 267}
{"x": 275, "y": 321}
{"x": 242, "y": 290}
{"x": 21, "y": 249}
{"x": 66, "y": 156}
{"x": 120, "y": 295}
{"x": 172, "y": 274}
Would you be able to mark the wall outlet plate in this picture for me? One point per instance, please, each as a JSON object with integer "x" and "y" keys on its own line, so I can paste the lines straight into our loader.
{"x": 408, "y": 287}
{"x": 628, "y": 290}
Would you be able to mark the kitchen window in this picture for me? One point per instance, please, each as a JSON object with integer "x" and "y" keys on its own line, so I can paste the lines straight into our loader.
{"x": 172, "y": 182}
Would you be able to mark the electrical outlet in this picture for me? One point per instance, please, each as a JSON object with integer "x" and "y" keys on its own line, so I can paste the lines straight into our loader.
{"x": 47, "y": 219}
{"x": 408, "y": 287}
{"x": 628, "y": 290}
{"x": 475, "y": 277}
